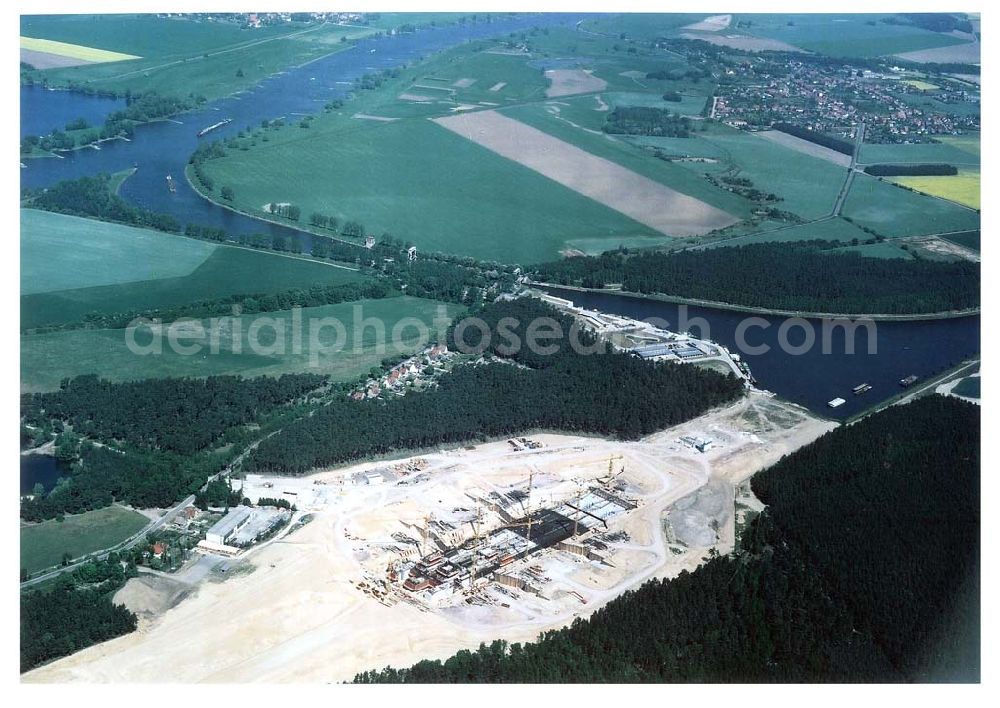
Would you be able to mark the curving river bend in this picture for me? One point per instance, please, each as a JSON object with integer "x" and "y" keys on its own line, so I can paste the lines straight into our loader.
{"x": 162, "y": 148}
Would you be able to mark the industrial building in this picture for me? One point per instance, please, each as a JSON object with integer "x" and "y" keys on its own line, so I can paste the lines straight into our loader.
{"x": 227, "y": 527}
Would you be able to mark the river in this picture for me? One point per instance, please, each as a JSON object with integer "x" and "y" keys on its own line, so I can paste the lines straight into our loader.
{"x": 813, "y": 377}
{"x": 162, "y": 148}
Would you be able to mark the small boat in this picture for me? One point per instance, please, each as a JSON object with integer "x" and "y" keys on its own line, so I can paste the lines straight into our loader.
{"x": 861, "y": 388}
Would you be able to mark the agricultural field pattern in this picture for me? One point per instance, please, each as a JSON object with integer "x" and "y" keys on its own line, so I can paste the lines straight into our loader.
{"x": 500, "y": 347}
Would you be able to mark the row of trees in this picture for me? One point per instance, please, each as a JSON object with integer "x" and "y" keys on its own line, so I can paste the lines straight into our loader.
{"x": 934, "y": 170}
{"x": 864, "y": 568}
{"x": 613, "y": 394}
{"x": 802, "y": 276}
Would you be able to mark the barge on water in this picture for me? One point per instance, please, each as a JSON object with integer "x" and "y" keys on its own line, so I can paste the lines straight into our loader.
{"x": 209, "y": 129}
{"x": 836, "y": 402}
{"x": 861, "y": 388}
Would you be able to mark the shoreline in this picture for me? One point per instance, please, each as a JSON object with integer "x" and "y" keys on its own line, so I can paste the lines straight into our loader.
{"x": 748, "y": 309}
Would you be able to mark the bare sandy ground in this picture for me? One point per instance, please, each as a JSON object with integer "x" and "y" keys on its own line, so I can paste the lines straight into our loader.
{"x": 744, "y": 42}
{"x": 569, "y": 82}
{"x": 651, "y": 203}
{"x": 806, "y": 147}
{"x": 368, "y": 116}
{"x": 45, "y": 60}
{"x": 417, "y": 97}
{"x": 296, "y": 616}
{"x": 958, "y": 53}
{"x": 714, "y": 23}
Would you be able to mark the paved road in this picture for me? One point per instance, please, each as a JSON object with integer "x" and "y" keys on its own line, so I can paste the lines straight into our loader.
{"x": 859, "y": 138}
{"x": 140, "y": 535}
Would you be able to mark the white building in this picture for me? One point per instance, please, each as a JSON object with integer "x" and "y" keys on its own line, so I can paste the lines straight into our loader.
{"x": 228, "y": 525}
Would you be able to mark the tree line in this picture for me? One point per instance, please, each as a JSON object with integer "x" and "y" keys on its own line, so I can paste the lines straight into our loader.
{"x": 803, "y": 276}
{"x": 863, "y": 568}
{"x": 608, "y": 393}
{"x": 934, "y": 170}
{"x": 845, "y": 147}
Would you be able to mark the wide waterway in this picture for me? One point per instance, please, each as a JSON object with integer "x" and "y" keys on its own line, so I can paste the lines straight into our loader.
{"x": 158, "y": 149}
{"x": 818, "y": 374}
{"x": 163, "y": 148}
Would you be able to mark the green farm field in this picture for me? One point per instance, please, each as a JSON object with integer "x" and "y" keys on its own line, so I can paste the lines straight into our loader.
{"x": 48, "y": 358}
{"x": 62, "y": 252}
{"x": 958, "y": 150}
{"x": 893, "y": 211}
{"x": 43, "y": 544}
{"x": 184, "y": 56}
{"x": 847, "y": 35}
{"x": 225, "y": 270}
{"x": 422, "y": 183}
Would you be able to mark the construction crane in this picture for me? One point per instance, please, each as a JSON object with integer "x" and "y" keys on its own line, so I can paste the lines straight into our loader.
{"x": 576, "y": 518}
{"x": 476, "y": 526}
{"x": 427, "y": 532}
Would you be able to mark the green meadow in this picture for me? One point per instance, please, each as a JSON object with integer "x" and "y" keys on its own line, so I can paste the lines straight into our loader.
{"x": 956, "y": 150}
{"x": 72, "y": 266}
{"x": 43, "y": 544}
{"x": 248, "y": 345}
{"x": 62, "y": 252}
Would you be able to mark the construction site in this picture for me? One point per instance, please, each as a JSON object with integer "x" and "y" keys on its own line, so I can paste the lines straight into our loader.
{"x": 392, "y": 561}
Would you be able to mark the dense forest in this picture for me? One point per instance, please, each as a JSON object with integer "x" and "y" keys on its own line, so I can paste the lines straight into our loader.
{"x": 75, "y": 614}
{"x": 839, "y": 144}
{"x": 804, "y": 276}
{"x": 147, "y": 443}
{"x": 930, "y": 170}
{"x": 643, "y": 120}
{"x": 180, "y": 415}
{"x": 141, "y": 478}
{"x": 863, "y": 568}
{"x": 607, "y": 393}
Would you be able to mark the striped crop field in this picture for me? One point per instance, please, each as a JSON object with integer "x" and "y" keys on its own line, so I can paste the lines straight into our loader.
{"x": 73, "y": 51}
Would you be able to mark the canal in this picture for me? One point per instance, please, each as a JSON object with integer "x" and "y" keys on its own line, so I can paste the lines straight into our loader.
{"x": 776, "y": 350}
